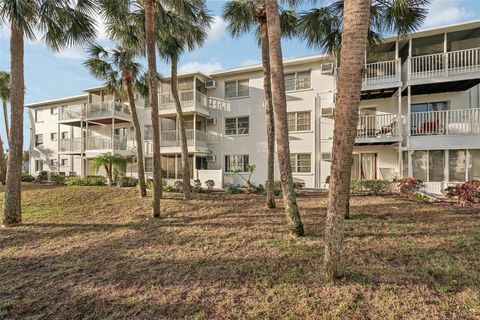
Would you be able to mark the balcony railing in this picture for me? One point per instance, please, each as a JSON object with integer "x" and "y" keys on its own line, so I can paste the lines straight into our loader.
{"x": 72, "y": 112}
{"x": 445, "y": 64}
{"x": 71, "y": 145}
{"x": 189, "y": 98}
{"x": 108, "y": 109}
{"x": 445, "y": 122}
{"x": 383, "y": 72}
{"x": 378, "y": 126}
{"x": 101, "y": 143}
{"x": 172, "y": 139}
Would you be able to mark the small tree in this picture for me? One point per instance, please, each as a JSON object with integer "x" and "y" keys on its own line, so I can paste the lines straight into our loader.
{"x": 110, "y": 162}
{"x": 250, "y": 170}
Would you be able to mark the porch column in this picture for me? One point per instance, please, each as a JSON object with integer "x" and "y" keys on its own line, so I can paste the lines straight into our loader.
{"x": 446, "y": 172}
{"x": 409, "y": 105}
{"x": 445, "y": 50}
{"x": 194, "y": 131}
{"x": 399, "y": 111}
{"x": 82, "y": 150}
{"x": 58, "y": 149}
{"x": 86, "y": 147}
{"x": 400, "y": 160}
{"x": 410, "y": 49}
{"x": 410, "y": 162}
{"x": 113, "y": 135}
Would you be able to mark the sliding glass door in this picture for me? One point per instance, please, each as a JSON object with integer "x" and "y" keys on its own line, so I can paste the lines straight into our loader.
{"x": 364, "y": 166}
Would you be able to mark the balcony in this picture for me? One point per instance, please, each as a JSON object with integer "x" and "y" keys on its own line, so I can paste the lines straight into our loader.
{"x": 71, "y": 113}
{"x": 108, "y": 109}
{"x": 381, "y": 75}
{"x": 119, "y": 143}
{"x": 170, "y": 141}
{"x": 445, "y": 129}
{"x": 191, "y": 101}
{"x": 377, "y": 129}
{"x": 444, "y": 67}
{"x": 73, "y": 145}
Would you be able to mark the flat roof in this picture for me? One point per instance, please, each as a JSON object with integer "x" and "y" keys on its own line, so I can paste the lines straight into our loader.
{"x": 55, "y": 101}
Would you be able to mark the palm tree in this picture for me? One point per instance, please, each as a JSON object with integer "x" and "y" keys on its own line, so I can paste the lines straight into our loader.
{"x": 245, "y": 16}
{"x": 120, "y": 71}
{"x": 183, "y": 34}
{"x": 347, "y": 29}
{"x": 5, "y": 96}
{"x": 110, "y": 162}
{"x": 60, "y": 23}
{"x": 281, "y": 126}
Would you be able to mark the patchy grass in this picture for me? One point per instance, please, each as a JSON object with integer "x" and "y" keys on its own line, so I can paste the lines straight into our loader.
{"x": 95, "y": 253}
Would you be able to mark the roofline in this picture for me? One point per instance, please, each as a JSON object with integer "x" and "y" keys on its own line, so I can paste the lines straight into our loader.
{"x": 286, "y": 62}
{"x": 54, "y": 101}
{"x": 190, "y": 74}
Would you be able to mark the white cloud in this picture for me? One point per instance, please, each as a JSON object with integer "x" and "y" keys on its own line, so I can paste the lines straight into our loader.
{"x": 207, "y": 67}
{"x": 443, "y": 12}
{"x": 71, "y": 53}
{"x": 217, "y": 29}
{"x": 250, "y": 62}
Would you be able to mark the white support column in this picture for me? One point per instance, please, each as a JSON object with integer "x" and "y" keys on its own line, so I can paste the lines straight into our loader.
{"x": 410, "y": 50}
{"x": 409, "y": 110}
{"x": 446, "y": 172}
{"x": 82, "y": 150}
{"x": 113, "y": 134}
{"x": 86, "y": 146}
{"x": 194, "y": 131}
{"x": 399, "y": 111}
{"x": 400, "y": 160}
{"x": 396, "y": 50}
{"x": 445, "y": 50}
{"x": 58, "y": 149}
{"x": 410, "y": 163}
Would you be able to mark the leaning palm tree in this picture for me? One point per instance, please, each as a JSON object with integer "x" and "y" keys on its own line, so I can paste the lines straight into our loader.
{"x": 347, "y": 29}
{"x": 245, "y": 16}
{"x": 60, "y": 23}
{"x": 121, "y": 72}
{"x": 182, "y": 35}
{"x": 5, "y": 96}
{"x": 281, "y": 125}
{"x": 110, "y": 162}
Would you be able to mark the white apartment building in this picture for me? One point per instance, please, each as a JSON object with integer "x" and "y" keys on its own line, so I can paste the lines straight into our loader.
{"x": 419, "y": 117}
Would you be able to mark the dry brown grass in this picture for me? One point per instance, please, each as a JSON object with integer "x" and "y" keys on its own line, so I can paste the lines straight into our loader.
{"x": 94, "y": 253}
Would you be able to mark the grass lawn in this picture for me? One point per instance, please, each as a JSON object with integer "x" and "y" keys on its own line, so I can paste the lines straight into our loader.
{"x": 95, "y": 253}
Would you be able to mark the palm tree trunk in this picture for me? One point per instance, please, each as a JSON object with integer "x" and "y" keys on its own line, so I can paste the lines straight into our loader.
{"x": 108, "y": 170}
{"x": 281, "y": 126}
{"x": 5, "y": 117}
{"x": 12, "y": 207}
{"x": 354, "y": 40}
{"x": 142, "y": 188}
{"x": 181, "y": 124}
{"x": 153, "y": 97}
{"x": 3, "y": 164}
{"x": 269, "y": 116}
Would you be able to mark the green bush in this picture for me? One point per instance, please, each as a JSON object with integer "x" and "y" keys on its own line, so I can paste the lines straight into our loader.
{"x": 371, "y": 186}
{"x": 178, "y": 185}
{"x": 167, "y": 188}
{"x": 124, "y": 182}
{"x": 88, "y": 181}
{"x": 197, "y": 186}
{"x": 210, "y": 185}
{"x": 57, "y": 179}
{"x": 233, "y": 189}
{"x": 27, "y": 177}
{"x": 277, "y": 187}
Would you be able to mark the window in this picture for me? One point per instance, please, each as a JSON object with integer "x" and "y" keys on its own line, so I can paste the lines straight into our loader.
{"x": 36, "y": 115}
{"x": 53, "y": 162}
{"x": 53, "y": 110}
{"x": 457, "y": 165}
{"x": 38, "y": 140}
{"x": 428, "y": 165}
{"x": 238, "y": 162}
{"x": 300, "y": 162}
{"x": 64, "y": 162}
{"x": 38, "y": 165}
{"x": 64, "y": 135}
{"x": 148, "y": 164}
{"x": 299, "y": 121}
{"x": 474, "y": 165}
{"x": 364, "y": 166}
{"x": 53, "y": 136}
{"x": 236, "y": 88}
{"x": 236, "y": 126}
{"x": 297, "y": 81}
{"x": 148, "y": 132}
{"x": 405, "y": 164}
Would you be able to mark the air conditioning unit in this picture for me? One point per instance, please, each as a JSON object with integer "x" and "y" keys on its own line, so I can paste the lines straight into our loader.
{"x": 327, "y": 68}
{"x": 211, "y": 158}
{"x": 211, "y": 121}
{"x": 328, "y": 112}
{"x": 327, "y": 156}
{"x": 210, "y": 84}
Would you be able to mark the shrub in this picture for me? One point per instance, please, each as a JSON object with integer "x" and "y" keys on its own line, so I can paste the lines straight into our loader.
{"x": 210, "y": 184}
{"x": 27, "y": 177}
{"x": 57, "y": 179}
{"x": 277, "y": 188}
{"x": 408, "y": 186}
{"x": 371, "y": 186}
{"x": 233, "y": 189}
{"x": 167, "y": 188}
{"x": 88, "y": 181}
{"x": 468, "y": 193}
{"x": 124, "y": 182}
{"x": 42, "y": 177}
{"x": 197, "y": 186}
{"x": 178, "y": 185}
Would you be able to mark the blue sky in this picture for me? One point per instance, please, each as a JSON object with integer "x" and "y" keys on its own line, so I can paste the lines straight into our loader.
{"x": 51, "y": 75}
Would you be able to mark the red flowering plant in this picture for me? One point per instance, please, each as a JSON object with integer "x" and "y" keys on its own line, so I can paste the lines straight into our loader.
{"x": 467, "y": 193}
{"x": 408, "y": 186}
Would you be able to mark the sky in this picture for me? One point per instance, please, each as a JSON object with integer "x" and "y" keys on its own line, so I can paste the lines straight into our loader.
{"x": 50, "y": 75}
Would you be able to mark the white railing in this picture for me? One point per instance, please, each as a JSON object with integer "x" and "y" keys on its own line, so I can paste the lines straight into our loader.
{"x": 108, "y": 108}
{"x": 72, "y": 112}
{"x": 382, "y": 72}
{"x": 71, "y": 145}
{"x": 378, "y": 126}
{"x": 444, "y": 64}
{"x": 172, "y": 139}
{"x": 445, "y": 122}
{"x": 187, "y": 99}
{"x": 101, "y": 143}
